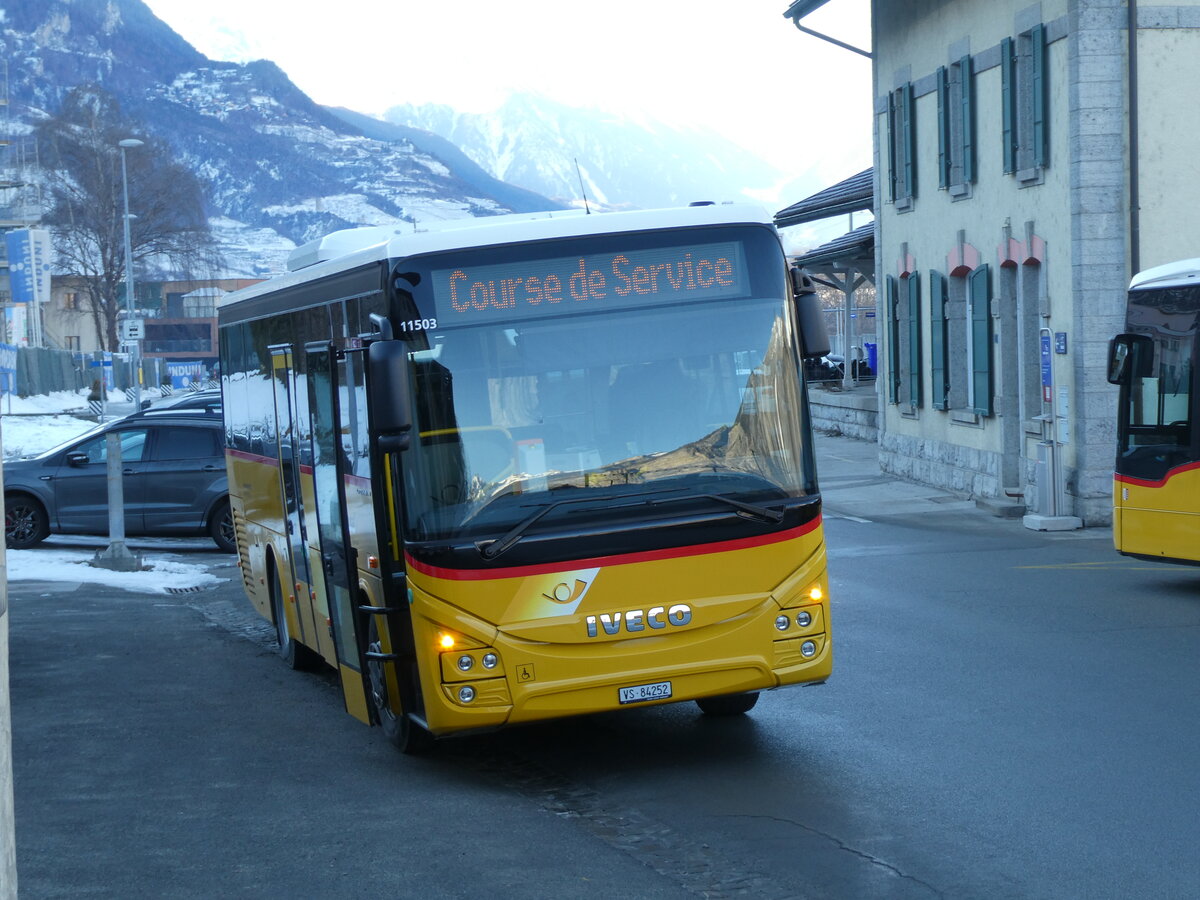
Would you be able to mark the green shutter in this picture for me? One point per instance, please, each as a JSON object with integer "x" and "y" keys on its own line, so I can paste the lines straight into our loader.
{"x": 893, "y": 348}
{"x": 939, "y": 336}
{"x": 967, "y": 99}
{"x": 893, "y": 175}
{"x": 979, "y": 294}
{"x": 1041, "y": 133}
{"x": 943, "y": 117}
{"x": 1008, "y": 103}
{"x": 914, "y": 340}
{"x": 910, "y": 140}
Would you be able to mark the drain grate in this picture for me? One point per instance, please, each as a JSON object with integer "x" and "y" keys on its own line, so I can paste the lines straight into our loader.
{"x": 186, "y": 590}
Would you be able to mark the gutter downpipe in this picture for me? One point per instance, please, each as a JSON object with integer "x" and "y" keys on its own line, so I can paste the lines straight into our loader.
{"x": 834, "y": 41}
{"x": 1135, "y": 235}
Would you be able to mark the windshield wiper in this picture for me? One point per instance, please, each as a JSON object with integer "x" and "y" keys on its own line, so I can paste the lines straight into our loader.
{"x": 762, "y": 513}
{"x": 514, "y": 534}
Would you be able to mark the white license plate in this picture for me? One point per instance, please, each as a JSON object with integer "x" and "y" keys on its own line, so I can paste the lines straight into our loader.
{"x": 660, "y": 690}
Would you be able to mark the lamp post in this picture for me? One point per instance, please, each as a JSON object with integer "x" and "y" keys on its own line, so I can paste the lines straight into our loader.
{"x": 129, "y": 144}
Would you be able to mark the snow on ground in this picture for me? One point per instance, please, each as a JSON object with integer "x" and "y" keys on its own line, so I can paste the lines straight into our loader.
{"x": 29, "y": 425}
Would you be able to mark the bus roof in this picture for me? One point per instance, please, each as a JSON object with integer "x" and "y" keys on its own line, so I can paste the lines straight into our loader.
{"x": 353, "y": 247}
{"x": 1174, "y": 274}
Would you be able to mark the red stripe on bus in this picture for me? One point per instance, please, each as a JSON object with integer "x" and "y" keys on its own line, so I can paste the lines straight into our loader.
{"x": 618, "y": 560}
{"x": 252, "y": 457}
{"x": 1142, "y": 482}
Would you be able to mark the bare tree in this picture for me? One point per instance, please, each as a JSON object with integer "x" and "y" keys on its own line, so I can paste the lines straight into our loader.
{"x": 82, "y": 159}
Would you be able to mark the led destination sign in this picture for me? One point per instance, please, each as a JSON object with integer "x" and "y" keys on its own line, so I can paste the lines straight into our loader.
{"x": 590, "y": 282}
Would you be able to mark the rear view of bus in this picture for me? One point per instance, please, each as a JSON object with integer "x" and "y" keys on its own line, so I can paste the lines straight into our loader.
{"x": 591, "y": 479}
{"x": 1156, "y": 492}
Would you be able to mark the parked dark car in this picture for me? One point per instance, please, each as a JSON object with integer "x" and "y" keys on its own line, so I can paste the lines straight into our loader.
{"x": 174, "y": 482}
{"x": 206, "y": 401}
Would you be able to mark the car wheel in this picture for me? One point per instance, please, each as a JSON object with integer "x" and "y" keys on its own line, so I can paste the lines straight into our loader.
{"x": 295, "y": 654}
{"x": 25, "y": 522}
{"x": 220, "y": 527}
{"x": 403, "y": 732}
{"x": 728, "y": 704}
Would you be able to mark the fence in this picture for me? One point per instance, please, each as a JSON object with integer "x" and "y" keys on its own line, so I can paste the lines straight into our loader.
{"x": 29, "y": 371}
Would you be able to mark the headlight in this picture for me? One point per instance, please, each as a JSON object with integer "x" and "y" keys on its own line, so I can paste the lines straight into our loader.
{"x": 808, "y": 648}
{"x": 466, "y": 693}
{"x": 782, "y": 623}
{"x": 803, "y": 619}
{"x": 490, "y": 660}
{"x": 465, "y": 662}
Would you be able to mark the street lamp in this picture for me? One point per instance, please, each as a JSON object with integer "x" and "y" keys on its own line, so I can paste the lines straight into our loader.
{"x": 129, "y": 144}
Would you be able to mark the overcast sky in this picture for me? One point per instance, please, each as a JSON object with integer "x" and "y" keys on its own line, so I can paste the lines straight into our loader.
{"x": 737, "y": 66}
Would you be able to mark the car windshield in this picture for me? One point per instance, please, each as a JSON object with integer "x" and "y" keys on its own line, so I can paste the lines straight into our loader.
{"x": 652, "y": 405}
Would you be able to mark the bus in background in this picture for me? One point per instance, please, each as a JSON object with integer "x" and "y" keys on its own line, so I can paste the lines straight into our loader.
{"x": 532, "y": 466}
{"x": 1156, "y": 489}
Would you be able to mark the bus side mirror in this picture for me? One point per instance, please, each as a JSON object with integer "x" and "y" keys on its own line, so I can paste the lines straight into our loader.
{"x": 391, "y": 413}
{"x": 1126, "y": 350}
{"x": 810, "y": 317}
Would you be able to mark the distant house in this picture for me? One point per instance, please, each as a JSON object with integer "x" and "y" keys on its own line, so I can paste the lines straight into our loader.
{"x": 1029, "y": 158}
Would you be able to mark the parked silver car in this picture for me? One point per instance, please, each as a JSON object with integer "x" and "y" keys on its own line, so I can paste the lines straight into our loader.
{"x": 174, "y": 483}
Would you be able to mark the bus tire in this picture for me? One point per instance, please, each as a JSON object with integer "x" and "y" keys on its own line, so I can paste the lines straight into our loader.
{"x": 291, "y": 651}
{"x": 402, "y": 731}
{"x": 728, "y": 704}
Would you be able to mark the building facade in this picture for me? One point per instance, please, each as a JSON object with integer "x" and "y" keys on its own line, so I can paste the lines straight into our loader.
{"x": 1029, "y": 158}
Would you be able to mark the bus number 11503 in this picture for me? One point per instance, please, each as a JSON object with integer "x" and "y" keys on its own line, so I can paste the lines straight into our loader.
{"x": 418, "y": 325}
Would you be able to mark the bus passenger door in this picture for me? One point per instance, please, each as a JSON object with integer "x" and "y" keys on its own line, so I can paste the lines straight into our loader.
{"x": 337, "y": 554}
{"x": 288, "y": 450}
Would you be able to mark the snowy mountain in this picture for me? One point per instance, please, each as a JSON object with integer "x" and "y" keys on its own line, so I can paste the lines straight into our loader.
{"x": 279, "y": 169}
{"x": 535, "y": 143}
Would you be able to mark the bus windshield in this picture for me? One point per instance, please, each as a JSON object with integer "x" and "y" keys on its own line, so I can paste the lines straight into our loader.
{"x": 1156, "y": 427}
{"x": 640, "y": 406}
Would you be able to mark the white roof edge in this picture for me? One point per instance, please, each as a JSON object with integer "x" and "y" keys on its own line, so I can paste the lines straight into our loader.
{"x": 353, "y": 247}
{"x": 1173, "y": 274}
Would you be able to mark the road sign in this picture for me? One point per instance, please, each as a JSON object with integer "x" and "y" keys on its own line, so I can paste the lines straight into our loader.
{"x": 133, "y": 330}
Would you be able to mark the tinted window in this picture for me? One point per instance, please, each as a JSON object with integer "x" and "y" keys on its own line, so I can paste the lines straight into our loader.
{"x": 186, "y": 443}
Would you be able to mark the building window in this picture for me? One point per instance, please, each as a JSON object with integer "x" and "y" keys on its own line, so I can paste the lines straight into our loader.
{"x": 902, "y": 146}
{"x": 956, "y": 127}
{"x": 71, "y": 342}
{"x": 979, "y": 344}
{"x": 939, "y": 342}
{"x": 71, "y": 300}
{"x": 1024, "y": 101}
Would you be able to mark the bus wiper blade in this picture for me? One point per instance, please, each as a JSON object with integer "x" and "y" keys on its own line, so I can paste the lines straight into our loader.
{"x": 762, "y": 513}
{"x": 514, "y": 534}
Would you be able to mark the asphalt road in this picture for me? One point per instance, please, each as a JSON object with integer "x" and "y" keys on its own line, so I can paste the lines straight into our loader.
{"x": 1012, "y": 715}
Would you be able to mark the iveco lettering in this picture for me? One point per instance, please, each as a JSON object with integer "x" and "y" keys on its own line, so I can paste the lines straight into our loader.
{"x": 533, "y": 466}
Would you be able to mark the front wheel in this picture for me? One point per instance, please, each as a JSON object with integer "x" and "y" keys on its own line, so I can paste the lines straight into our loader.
{"x": 407, "y": 735}
{"x": 25, "y": 522}
{"x": 728, "y": 704}
{"x": 220, "y": 527}
{"x": 295, "y": 654}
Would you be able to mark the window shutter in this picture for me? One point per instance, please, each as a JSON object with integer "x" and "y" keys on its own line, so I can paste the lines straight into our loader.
{"x": 910, "y": 141}
{"x": 967, "y": 85}
{"x": 943, "y": 117}
{"x": 893, "y": 137}
{"x": 893, "y": 349}
{"x": 938, "y": 341}
{"x": 979, "y": 293}
{"x": 1041, "y": 133}
{"x": 914, "y": 340}
{"x": 1008, "y": 103}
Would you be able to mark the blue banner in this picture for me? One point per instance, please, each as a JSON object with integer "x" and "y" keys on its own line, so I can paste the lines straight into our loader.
{"x": 28, "y": 264}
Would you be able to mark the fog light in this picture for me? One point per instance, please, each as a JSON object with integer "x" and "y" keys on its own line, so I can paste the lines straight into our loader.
{"x": 466, "y": 693}
{"x": 803, "y": 619}
{"x": 465, "y": 663}
{"x": 808, "y": 648}
{"x": 490, "y": 660}
{"x": 782, "y": 623}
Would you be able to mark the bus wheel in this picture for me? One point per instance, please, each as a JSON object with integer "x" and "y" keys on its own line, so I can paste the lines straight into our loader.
{"x": 407, "y": 735}
{"x": 295, "y": 654}
{"x": 728, "y": 704}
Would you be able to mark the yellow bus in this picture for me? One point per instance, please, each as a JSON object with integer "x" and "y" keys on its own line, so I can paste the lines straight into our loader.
{"x": 532, "y": 466}
{"x": 1156, "y": 489}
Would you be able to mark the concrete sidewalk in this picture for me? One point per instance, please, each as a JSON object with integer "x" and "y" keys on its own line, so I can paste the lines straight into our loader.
{"x": 853, "y": 486}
